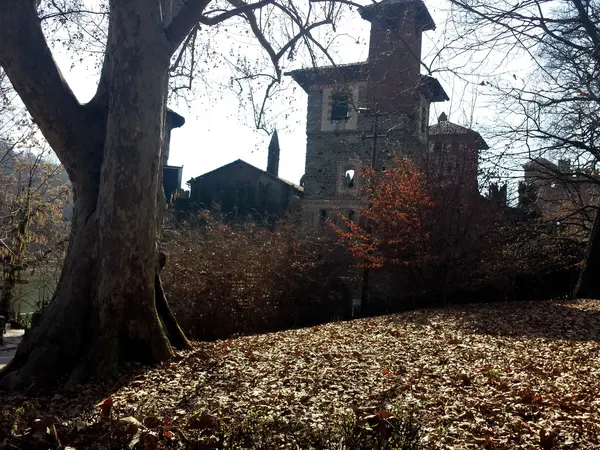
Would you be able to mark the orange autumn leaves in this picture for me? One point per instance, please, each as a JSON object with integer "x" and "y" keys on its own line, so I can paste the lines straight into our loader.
{"x": 391, "y": 227}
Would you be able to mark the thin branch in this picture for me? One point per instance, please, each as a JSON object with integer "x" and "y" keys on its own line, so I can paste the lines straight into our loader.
{"x": 183, "y": 47}
{"x": 241, "y": 9}
{"x": 30, "y": 66}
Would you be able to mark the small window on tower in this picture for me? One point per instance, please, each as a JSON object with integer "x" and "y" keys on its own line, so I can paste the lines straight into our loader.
{"x": 322, "y": 216}
{"x": 339, "y": 106}
{"x": 424, "y": 120}
{"x": 349, "y": 178}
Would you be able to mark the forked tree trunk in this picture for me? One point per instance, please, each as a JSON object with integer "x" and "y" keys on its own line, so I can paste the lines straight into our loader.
{"x": 104, "y": 313}
{"x": 588, "y": 284}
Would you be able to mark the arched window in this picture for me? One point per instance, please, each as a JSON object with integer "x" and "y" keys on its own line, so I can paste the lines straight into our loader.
{"x": 348, "y": 178}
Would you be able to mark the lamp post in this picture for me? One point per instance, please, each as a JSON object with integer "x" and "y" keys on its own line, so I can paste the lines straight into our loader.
{"x": 376, "y": 114}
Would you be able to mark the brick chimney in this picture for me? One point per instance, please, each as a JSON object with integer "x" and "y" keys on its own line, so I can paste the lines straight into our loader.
{"x": 273, "y": 159}
{"x": 395, "y": 53}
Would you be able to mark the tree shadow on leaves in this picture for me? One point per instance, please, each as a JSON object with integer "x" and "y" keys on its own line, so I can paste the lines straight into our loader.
{"x": 554, "y": 320}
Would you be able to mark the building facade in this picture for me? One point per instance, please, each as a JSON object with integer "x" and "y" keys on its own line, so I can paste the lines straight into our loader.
{"x": 385, "y": 96}
{"x": 243, "y": 191}
{"x": 559, "y": 194}
{"x": 452, "y": 156}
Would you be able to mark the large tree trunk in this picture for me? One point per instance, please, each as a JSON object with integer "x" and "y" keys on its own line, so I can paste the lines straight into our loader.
{"x": 80, "y": 326}
{"x": 588, "y": 285}
{"x": 104, "y": 313}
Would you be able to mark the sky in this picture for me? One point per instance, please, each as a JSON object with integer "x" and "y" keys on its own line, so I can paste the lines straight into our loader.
{"x": 217, "y": 131}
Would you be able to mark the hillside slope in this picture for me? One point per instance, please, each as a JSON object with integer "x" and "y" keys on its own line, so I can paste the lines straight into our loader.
{"x": 480, "y": 376}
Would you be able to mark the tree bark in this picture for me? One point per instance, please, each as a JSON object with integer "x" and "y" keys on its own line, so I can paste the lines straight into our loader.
{"x": 588, "y": 284}
{"x": 172, "y": 328}
{"x": 109, "y": 308}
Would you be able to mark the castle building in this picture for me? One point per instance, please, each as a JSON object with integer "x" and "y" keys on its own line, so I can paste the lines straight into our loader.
{"x": 243, "y": 191}
{"x": 560, "y": 194}
{"x": 345, "y": 101}
{"x": 452, "y": 156}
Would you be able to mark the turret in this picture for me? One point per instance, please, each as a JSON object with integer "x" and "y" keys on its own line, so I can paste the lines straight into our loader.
{"x": 273, "y": 158}
{"x": 395, "y": 53}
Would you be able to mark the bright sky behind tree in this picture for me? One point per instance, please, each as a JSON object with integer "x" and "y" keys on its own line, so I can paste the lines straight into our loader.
{"x": 218, "y": 131}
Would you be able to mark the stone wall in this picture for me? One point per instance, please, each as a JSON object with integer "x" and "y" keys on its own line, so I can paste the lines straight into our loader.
{"x": 563, "y": 196}
{"x": 242, "y": 190}
{"x": 329, "y": 153}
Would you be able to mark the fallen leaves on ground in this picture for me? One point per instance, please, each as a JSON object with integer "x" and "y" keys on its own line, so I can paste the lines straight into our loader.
{"x": 497, "y": 376}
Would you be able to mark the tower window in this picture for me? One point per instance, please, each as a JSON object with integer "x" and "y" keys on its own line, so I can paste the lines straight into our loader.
{"x": 322, "y": 216}
{"x": 349, "y": 178}
{"x": 339, "y": 106}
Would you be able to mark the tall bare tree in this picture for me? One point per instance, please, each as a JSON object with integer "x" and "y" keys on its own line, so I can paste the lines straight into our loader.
{"x": 109, "y": 309}
{"x": 551, "y": 111}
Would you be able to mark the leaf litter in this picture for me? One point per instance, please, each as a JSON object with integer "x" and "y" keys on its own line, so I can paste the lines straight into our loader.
{"x": 497, "y": 376}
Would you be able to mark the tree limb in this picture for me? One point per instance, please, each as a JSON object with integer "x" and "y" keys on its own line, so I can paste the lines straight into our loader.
{"x": 241, "y": 8}
{"x": 193, "y": 13}
{"x": 28, "y": 62}
{"x": 590, "y": 28}
{"x": 185, "y": 20}
{"x": 251, "y": 18}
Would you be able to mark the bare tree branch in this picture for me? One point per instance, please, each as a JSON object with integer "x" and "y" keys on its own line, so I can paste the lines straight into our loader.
{"x": 28, "y": 61}
{"x": 241, "y": 9}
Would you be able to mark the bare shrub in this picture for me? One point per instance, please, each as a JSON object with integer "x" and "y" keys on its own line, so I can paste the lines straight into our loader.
{"x": 226, "y": 279}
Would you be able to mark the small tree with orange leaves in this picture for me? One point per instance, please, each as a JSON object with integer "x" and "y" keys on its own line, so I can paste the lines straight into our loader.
{"x": 392, "y": 226}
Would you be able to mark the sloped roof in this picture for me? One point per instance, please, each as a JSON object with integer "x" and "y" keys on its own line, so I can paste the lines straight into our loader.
{"x": 327, "y": 74}
{"x": 537, "y": 163}
{"x": 309, "y": 76}
{"x": 433, "y": 87}
{"x": 446, "y": 128}
{"x": 176, "y": 119}
{"x": 238, "y": 161}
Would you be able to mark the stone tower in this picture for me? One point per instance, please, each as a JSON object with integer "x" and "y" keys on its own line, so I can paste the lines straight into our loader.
{"x": 395, "y": 54}
{"x": 453, "y": 156}
{"x": 389, "y": 82}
